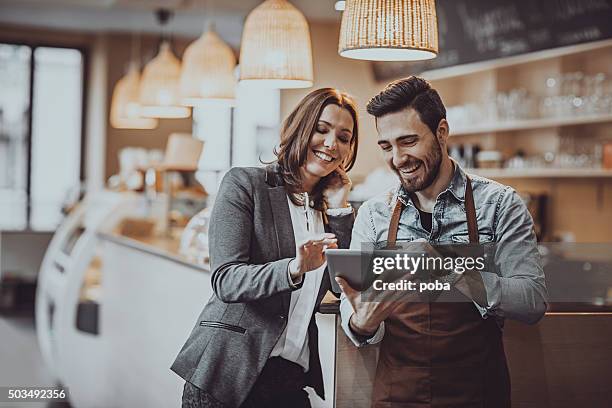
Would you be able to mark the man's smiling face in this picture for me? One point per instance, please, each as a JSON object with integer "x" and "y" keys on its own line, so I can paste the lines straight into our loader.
{"x": 410, "y": 148}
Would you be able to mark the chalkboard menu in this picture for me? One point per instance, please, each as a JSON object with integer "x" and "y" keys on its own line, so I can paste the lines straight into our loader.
{"x": 480, "y": 30}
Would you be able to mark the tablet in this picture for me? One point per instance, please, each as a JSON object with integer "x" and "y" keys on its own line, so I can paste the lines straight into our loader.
{"x": 355, "y": 265}
{"x": 351, "y": 265}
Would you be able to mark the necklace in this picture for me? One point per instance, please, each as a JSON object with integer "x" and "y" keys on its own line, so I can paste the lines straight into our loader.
{"x": 307, "y": 210}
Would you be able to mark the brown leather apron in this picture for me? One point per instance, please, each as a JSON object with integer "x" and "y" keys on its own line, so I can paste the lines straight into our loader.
{"x": 441, "y": 354}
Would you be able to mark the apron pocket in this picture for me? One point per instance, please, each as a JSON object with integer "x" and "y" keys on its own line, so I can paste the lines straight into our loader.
{"x": 403, "y": 385}
{"x": 458, "y": 386}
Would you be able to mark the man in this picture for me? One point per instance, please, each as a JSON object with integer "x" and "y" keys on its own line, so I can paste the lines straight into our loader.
{"x": 437, "y": 354}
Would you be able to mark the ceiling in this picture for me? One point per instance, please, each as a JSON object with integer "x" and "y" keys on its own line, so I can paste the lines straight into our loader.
{"x": 138, "y": 15}
{"x": 313, "y": 9}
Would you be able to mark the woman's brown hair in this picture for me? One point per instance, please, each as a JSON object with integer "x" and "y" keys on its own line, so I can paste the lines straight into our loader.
{"x": 296, "y": 132}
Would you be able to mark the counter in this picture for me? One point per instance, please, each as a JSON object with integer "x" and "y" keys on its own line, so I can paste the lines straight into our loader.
{"x": 561, "y": 362}
{"x": 152, "y": 298}
{"x": 149, "y": 298}
{"x": 147, "y": 303}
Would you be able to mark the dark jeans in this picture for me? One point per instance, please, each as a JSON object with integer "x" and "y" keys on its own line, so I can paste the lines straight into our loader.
{"x": 280, "y": 384}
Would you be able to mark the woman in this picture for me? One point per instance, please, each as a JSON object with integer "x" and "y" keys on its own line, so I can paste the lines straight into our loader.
{"x": 255, "y": 343}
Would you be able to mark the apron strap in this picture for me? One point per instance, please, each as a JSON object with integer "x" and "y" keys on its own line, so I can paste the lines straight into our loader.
{"x": 470, "y": 211}
{"x": 394, "y": 224}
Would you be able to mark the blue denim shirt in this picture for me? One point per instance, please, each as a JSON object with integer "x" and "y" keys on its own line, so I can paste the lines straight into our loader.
{"x": 517, "y": 291}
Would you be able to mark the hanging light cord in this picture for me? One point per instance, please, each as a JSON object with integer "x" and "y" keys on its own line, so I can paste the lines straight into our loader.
{"x": 135, "y": 51}
{"x": 163, "y": 17}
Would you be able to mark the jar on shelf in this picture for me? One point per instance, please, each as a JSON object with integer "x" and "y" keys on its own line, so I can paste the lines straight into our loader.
{"x": 489, "y": 159}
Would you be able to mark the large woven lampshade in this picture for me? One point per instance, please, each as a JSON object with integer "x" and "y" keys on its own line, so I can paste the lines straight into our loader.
{"x": 276, "y": 50}
{"x": 389, "y": 30}
{"x": 207, "y": 75}
{"x": 125, "y": 107}
{"x": 159, "y": 91}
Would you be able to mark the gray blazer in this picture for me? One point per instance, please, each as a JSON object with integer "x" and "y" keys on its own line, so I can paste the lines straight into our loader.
{"x": 251, "y": 244}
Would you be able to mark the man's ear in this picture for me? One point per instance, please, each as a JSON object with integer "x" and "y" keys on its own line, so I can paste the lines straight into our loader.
{"x": 442, "y": 132}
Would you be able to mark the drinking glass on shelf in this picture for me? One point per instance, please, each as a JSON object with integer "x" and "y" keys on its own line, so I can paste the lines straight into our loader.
{"x": 596, "y": 100}
{"x": 551, "y": 90}
{"x": 552, "y": 85}
{"x": 570, "y": 102}
{"x": 490, "y": 108}
{"x": 513, "y": 105}
{"x": 545, "y": 107}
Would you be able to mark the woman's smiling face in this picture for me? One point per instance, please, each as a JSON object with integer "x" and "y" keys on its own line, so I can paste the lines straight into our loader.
{"x": 330, "y": 143}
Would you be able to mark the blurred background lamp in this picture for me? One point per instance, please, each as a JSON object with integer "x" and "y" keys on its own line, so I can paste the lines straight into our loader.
{"x": 159, "y": 92}
{"x": 276, "y": 50}
{"x": 207, "y": 75}
{"x": 182, "y": 152}
{"x": 125, "y": 107}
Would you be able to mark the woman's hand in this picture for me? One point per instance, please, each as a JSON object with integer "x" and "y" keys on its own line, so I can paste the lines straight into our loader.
{"x": 310, "y": 255}
{"x": 337, "y": 190}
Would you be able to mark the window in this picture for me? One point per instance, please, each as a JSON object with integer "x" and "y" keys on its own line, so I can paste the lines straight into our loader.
{"x": 14, "y": 110}
{"x": 41, "y": 107}
{"x": 241, "y": 136}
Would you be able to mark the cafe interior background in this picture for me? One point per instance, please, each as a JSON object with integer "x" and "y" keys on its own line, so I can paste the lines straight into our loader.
{"x": 118, "y": 119}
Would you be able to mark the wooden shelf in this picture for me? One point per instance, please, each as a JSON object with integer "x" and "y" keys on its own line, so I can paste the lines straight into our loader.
{"x": 542, "y": 173}
{"x": 528, "y": 124}
{"x": 468, "y": 69}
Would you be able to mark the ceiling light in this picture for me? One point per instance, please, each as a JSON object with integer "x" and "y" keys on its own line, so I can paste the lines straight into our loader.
{"x": 159, "y": 93}
{"x": 159, "y": 88}
{"x": 207, "y": 75}
{"x": 389, "y": 30}
{"x": 125, "y": 111}
{"x": 276, "y": 50}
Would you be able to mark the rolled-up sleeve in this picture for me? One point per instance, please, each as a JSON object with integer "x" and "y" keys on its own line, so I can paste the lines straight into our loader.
{"x": 346, "y": 311}
{"x": 517, "y": 289}
{"x": 363, "y": 232}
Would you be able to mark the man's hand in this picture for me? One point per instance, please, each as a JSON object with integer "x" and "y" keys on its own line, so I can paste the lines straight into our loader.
{"x": 368, "y": 315}
{"x": 379, "y": 304}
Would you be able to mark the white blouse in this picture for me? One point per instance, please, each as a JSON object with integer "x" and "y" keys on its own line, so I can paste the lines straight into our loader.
{"x": 293, "y": 342}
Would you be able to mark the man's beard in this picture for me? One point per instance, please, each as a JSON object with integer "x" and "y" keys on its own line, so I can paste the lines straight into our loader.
{"x": 431, "y": 164}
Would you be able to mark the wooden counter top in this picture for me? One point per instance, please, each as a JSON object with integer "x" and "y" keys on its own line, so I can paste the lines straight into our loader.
{"x": 168, "y": 248}
{"x": 330, "y": 304}
{"x": 164, "y": 247}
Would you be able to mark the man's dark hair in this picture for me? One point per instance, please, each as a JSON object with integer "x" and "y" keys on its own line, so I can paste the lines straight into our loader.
{"x": 412, "y": 92}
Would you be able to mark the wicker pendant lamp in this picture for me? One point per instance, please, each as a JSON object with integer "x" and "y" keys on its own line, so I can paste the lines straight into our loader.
{"x": 207, "y": 75}
{"x": 276, "y": 50}
{"x": 125, "y": 107}
{"x": 159, "y": 87}
{"x": 389, "y": 30}
{"x": 159, "y": 92}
